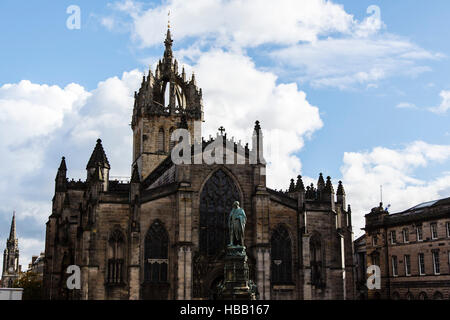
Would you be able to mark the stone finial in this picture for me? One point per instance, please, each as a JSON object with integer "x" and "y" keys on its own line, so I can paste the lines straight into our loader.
{"x": 257, "y": 126}
{"x": 320, "y": 182}
{"x": 292, "y": 186}
{"x": 329, "y": 185}
{"x": 62, "y": 166}
{"x": 299, "y": 185}
{"x": 340, "y": 189}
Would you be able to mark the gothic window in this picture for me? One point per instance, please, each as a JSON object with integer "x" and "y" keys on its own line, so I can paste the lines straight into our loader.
{"x": 281, "y": 253}
{"x": 161, "y": 140}
{"x": 423, "y": 296}
{"x": 409, "y": 296}
{"x": 438, "y": 296}
{"x": 316, "y": 261}
{"x": 395, "y": 296}
{"x": 156, "y": 253}
{"x": 116, "y": 248}
{"x": 216, "y": 201}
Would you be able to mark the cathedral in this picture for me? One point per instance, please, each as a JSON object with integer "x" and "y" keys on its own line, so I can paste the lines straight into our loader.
{"x": 11, "y": 267}
{"x": 163, "y": 233}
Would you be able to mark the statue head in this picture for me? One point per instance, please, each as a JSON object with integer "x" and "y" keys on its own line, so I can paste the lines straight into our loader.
{"x": 236, "y": 204}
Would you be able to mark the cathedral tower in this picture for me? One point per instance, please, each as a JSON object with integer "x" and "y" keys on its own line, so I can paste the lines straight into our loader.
{"x": 166, "y": 101}
{"x": 11, "y": 257}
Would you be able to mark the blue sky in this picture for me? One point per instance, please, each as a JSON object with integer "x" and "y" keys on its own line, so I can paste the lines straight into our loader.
{"x": 339, "y": 89}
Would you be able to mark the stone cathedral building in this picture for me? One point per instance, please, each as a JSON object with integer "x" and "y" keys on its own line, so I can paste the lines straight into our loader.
{"x": 163, "y": 234}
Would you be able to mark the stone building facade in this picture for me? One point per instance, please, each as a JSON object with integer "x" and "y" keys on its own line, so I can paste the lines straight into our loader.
{"x": 412, "y": 249}
{"x": 11, "y": 268}
{"x": 37, "y": 265}
{"x": 360, "y": 259}
{"x": 163, "y": 234}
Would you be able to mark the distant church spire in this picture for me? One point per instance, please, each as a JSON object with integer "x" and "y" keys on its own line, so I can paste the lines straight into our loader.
{"x": 12, "y": 232}
{"x": 11, "y": 257}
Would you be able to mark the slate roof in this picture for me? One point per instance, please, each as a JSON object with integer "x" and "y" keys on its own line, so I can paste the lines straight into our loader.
{"x": 424, "y": 211}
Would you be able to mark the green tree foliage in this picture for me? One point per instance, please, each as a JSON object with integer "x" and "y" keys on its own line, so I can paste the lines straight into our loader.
{"x": 31, "y": 284}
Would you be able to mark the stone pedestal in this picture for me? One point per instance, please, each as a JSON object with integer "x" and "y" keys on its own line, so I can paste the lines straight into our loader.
{"x": 236, "y": 284}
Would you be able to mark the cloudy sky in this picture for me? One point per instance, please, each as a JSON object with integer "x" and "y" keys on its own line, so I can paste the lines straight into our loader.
{"x": 358, "y": 90}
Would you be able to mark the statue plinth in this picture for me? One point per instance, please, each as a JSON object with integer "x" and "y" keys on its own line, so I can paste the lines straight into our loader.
{"x": 236, "y": 285}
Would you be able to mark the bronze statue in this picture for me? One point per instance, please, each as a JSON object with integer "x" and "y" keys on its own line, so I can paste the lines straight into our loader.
{"x": 236, "y": 225}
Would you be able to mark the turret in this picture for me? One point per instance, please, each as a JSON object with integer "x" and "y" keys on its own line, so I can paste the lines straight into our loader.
{"x": 328, "y": 193}
{"x": 300, "y": 191}
{"x": 98, "y": 166}
{"x": 320, "y": 183}
{"x": 257, "y": 155}
{"x": 341, "y": 195}
{"x": 61, "y": 177}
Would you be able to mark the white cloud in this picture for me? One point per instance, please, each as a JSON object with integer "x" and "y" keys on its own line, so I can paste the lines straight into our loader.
{"x": 237, "y": 94}
{"x": 364, "y": 172}
{"x": 108, "y": 22}
{"x": 320, "y": 41}
{"x": 445, "y": 103}
{"x": 239, "y": 23}
{"x": 29, "y": 247}
{"x": 406, "y": 105}
{"x": 348, "y": 62}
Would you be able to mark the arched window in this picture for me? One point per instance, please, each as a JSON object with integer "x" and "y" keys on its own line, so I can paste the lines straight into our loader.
{"x": 281, "y": 253}
{"x": 438, "y": 296}
{"x": 156, "y": 253}
{"x": 161, "y": 141}
{"x": 423, "y": 296}
{"x": 116, "y": 253}
{"x": 216, "y": 201}
{"x": 315, "y": 248}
